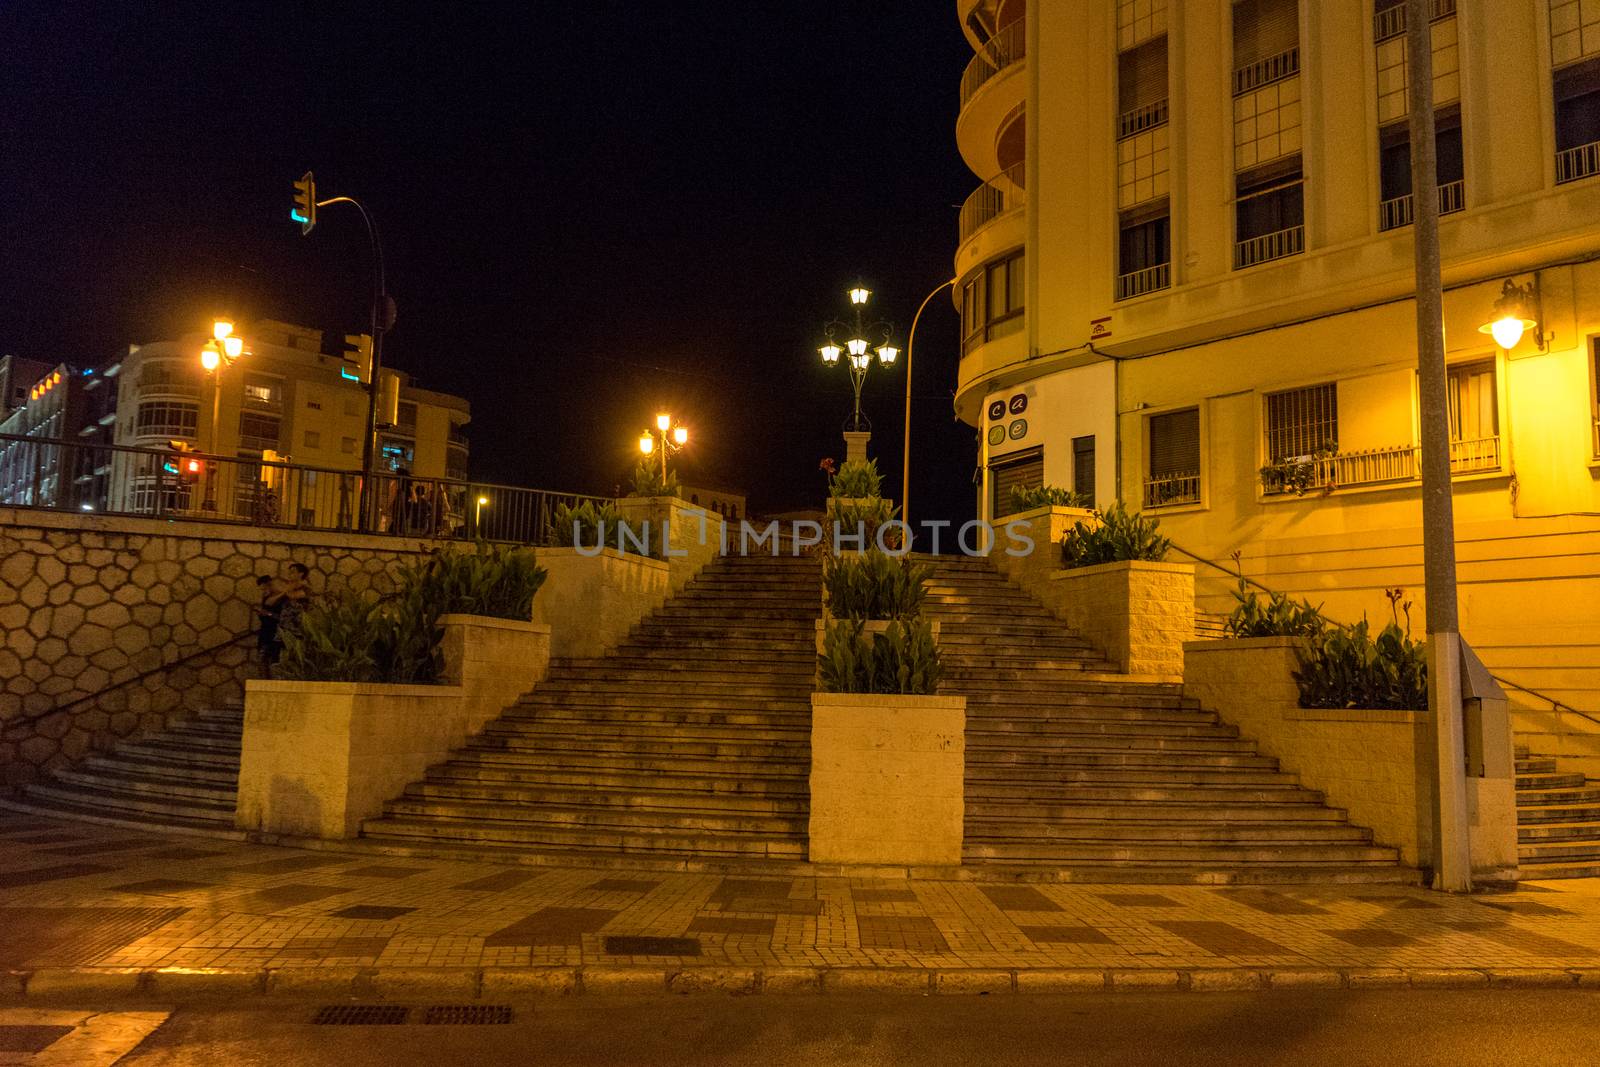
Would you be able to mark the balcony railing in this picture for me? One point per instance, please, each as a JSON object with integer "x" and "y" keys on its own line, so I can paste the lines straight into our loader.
{"x": 991, "y": 200}
{"x": 1269, "y": 246}
{"x": 1398, "y": 212}
{"x": 1170, "y": 490}
{"x": 1285, "y": 64}
{"x": 1001, "y": 50}
{"x": 1139, "y": 282}
{"x": 1580, "y": 162}
{"x": 72, "y": 476}
{"x": 1374, "y": 466}
{"x": 1142, "y": 118}
{"x": 1391, "y": 21}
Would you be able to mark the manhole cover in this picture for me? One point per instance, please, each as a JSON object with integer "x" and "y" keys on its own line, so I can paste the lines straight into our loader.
{"x": 360, "y": 1015}
{"x": 467, "y": 1015}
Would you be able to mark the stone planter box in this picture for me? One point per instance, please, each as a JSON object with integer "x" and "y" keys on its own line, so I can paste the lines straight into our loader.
{"x": 693, "y": 534}
{"x": 1137, "y": 614}
{"x": 887, "y": 779}
{"x": 319, "y": 757}
{"x": 592, "y": 598}
{"x": 1045, "y": 527}
{"x": 1377, "y": 764}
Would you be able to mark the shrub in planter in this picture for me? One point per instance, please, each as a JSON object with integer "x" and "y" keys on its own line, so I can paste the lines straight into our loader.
{"x": 864, "y": 516}
{"x": 857, "y": 479}
{"x": 1029, "y": 497}
{"x": 902, "y": 659}
{"x": 647, "y": 481}
{"x": 874, "y": 585}
{"x": 1346, "y": 667}
{"x": 1275, "y": 615}
{"x": 496, "y": 581}
{"x": 595, "y": 526}
{"x": 1117, "y": 537}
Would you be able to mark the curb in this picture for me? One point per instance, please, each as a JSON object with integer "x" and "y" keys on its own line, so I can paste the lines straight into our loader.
{"x": 519, "y": 983}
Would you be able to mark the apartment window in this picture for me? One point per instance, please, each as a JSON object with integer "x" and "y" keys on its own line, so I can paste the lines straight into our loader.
{"x": 314, "y": 405}
{"x": 1142, "y": 88}
{"x": 1266, "y": 42}
{"x": 258, "y": 431}
{"x": 1577, "y": 95}
{"x": 1474, "y": 417}
{"x": 455, "y": 464}
{"x": 347, "y": 445}
{"x": 167, "y": 376}
{"x": 1020, "y": 470}
{"x": 991, "y": 301}
{"x": 262, "y": 390}
{"x": 1174, "y": 464}
{"x": 1083, "y": 467}
{"x": 165, "y": 418}
{"x": 1594, "y": 389}
{"x": 1395, "y": 207}
{"x": 1144, "y": 255}
{"x": 1302, "y": 422}
{"x": 313, "y": 439}
{"x": 1389, "y": 16}
{"x": 1269, "y": 214}
{"x": 406, "y": 416}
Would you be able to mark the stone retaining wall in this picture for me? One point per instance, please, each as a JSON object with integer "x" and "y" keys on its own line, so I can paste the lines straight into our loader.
{"x": 90, "y": 605}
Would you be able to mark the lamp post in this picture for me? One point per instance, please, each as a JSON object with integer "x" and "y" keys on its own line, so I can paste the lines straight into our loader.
{"x": 911, "y": 346}
{"x": 856, "y": 344}
{"x": 673, "y": 439}
{"x": 224, "y": 347}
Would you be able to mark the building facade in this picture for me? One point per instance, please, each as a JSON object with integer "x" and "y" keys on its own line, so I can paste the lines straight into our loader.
{"x": 1185, "y": 283}
{"x": 48, "y": 404}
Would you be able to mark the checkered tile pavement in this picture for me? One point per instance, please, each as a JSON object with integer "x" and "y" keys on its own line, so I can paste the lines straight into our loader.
{"x": 79, "y": 895}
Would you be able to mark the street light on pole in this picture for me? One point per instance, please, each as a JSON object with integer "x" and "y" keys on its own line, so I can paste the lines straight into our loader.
{"x": 855, "y": 351}
{"x": 673, "y": 438}
{"x": 911, "y": 345}
{"x": 224, "y": 347}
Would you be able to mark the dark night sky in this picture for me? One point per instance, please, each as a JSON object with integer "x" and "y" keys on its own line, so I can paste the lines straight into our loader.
{"x": 588, "y": 209}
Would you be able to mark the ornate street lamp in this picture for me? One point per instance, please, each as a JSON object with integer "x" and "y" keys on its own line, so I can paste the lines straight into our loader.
{"x": 1513, "y": 315}
{"x": 857, "y": 338}
{"x": 224, "y": 347}
{"x": 673, "y": 439}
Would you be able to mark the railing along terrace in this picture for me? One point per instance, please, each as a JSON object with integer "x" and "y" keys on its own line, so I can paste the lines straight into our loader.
{"x": 1139, "y": 282}
{"x": 1398, "y": 212}
{"x": 1142, "y": 118}
{"x": 1579, "y": 162}
{"x": 1375, "y": 466}
{"x": 991, "y": 200}
{"x": 56, "y": 475}
{"x": 1172, "y": 489}
{"x": 1276, "y": 68}
{"x": 1269, "y": 246}
{"x": 1391, "y": 21}
{"x": 998, "y": 53}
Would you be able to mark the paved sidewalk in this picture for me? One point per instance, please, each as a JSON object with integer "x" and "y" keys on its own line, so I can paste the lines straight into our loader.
{"x": 92, "y": 907}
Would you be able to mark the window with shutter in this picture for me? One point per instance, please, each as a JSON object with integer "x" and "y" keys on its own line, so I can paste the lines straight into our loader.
{"x": 1174, "y": 469}
{"x": 1142, "y": 87}
{"x": 1577, "y": 99}
{"x": 1023, "y": 469}
{"x": 1083, "y": 467}
{"x": 1266, "y": 42}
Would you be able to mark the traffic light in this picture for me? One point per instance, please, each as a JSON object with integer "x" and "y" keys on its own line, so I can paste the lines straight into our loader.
{"x": 305, "y": 203}
{"x": 183, "y": 463}
{"x": 361, "y": 357}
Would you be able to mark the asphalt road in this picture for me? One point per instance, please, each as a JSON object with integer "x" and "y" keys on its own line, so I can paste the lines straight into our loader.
{"x": 1409, "y": 1028}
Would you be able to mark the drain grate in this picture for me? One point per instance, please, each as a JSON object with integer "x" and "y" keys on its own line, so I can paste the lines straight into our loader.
{"x": 467, "y": 1015}
{"x": 360, "y": 1015}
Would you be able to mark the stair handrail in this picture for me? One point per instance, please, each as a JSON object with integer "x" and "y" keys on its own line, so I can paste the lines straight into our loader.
{"x": 1557, "y": 706}
{"x": 141, "y": 676}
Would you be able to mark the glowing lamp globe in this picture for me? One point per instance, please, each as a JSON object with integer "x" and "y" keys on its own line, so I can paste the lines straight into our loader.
{"x": 210, "y": 358}
{"x": 887, "y": 354}
{"x": 681, "y": 435}
{"x": 859, "y": 295}
{"x": 647, "y": 444}
{"x": 857, "y": 346}
{"x": 831, "y": 354}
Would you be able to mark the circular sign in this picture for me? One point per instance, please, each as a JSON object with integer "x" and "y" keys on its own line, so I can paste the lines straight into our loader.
{"x": 1019, "y": 404}
{"x": 997, "y": 410}
{"x": 1019, "y": 429}
{"x": 997, "y": 435}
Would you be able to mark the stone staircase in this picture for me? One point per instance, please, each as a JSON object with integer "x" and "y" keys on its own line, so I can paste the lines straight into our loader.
{"x": 687, "y": 746}
{"x": 1116, "y": 781}
{"x": 1558, "y": 821}
{"x": 184, "y": 778}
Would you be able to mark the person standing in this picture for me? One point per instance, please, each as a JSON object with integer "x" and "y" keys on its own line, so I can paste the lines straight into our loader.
{"x": 295, "y": 595}
{"x": 267, "y": 613}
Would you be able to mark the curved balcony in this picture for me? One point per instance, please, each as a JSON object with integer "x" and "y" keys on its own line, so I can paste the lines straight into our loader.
{"x": 990, "y": 91}
{"x": 1001, "y": 198}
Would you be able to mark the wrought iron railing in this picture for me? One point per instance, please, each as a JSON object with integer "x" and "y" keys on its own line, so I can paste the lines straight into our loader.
{"x": 992, "y": 199}
{"x": 1142, "y": 118}
{"x": 1172, "y": 489}
{"x": 999, "y": 52}
{"x": 1139, "y": 282}
{"x": 1269, "y": 246}
{"x": 1391, "y": 21}
{"x": 1580, "y": 162}
{"x": 1398, "y": 212}
{"x": 56, "y": 475}
{"x": 1374, "y": 466}
{"x": 1285, "y": 64}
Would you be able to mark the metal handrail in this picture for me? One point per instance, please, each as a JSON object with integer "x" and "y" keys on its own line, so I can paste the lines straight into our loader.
{"x": 1140, "y": 119}
{"x": 1555, "y": 705}
{"x": 1391, "y": 21}
{"x": 1279, "y": 244}
{"x": 1397, "y": 211}
{"x": 1575, "y": 163}
{"x": 995, "y": 197}
{"x": 1139, "y": 282}
{"x": 1003, "y": 49}
{"x": 1374, "y": 466}
{"x": 1262, "y": 72}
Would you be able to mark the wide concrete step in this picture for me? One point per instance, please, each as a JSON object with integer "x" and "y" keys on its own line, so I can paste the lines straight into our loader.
{"x": 108, "y": 800}
{"x": 964, "y": 676}
{"x": 1559, "y": 852}
{"x": 544, "y": 759}
{"x": 226, "y": 728}
{"x": 1086, "y": 692}
{"x": 1059, "y": 761}
{"x": 508, "y": 770}
{"x": 165, "y": 786}
{"x": 479, "y": 831}
{"x": 1113, "y": 834}
{"x": 122, "y": 762}
{"x": 1179, "y": 873}
{"x": 1533, "y": 871}
{"x": 643, "y": 691}
{"x": 1199, "y": 854}
{"x": 1550, "y": 780}
{"x": 635, "y": 747}
{"x": 1083, "y": 793}
{"x": 645, "y": 800}
{"x": 625, "y": 664}
{"x": 605, "y": 716}
{"x": 1559, "y": 831}
{"x": 1023, "y": 811}
{"x": 544, "y": 815}
{"x": 557, "y": 731}
{"x": 1070, "y": 714}
{"x": 181, "y": 753}
{"x": 1067, "y": 731}
{"x": 1531, "y": 798}
{"x": 1139, "y": 776}
{"x": 1536, "y": 765}
{"x": 1032, "y": 754}
{"x": 681, "y": 700}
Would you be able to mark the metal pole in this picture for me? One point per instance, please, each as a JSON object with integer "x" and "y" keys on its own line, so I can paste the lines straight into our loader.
{"x": 905, "y": 452}
{"x": 210, "y": 503}
{"x": 1452, "y": 861}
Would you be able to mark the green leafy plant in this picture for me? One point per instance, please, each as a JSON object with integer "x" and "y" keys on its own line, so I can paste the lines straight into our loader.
{"x": 497, "y": 581}
{"x": 857, "y": 479}
{"x": 1116, "y": 536}
{"x": 648, "y": 481}
{"x": 1347, "y": 667}
{"x": 1298, "y": 474}
{"x": 864, "y": 515}
{"x": 1275, "y": 615}
{"x": 902, "y": 659}
{"x": 1028, "y": 497}
{"x": 333, "y": 640}
{"x": 874, "y": 585}
{"x": 589, "y": 525}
